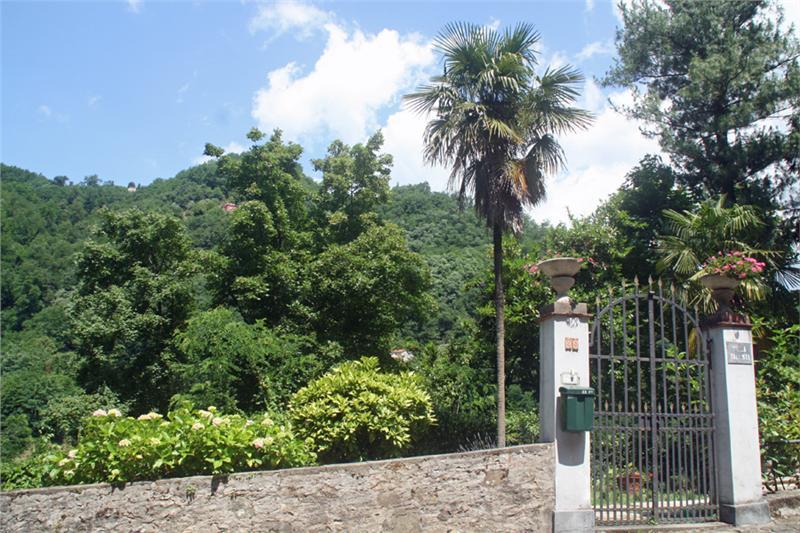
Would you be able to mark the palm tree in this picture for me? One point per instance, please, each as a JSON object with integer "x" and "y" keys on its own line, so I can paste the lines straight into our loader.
{"x": 494, "y": 120}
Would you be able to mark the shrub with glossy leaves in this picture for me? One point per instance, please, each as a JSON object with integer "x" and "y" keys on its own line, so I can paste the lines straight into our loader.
{"x": 116, "y": 448}
{"x": 357, "y": 412}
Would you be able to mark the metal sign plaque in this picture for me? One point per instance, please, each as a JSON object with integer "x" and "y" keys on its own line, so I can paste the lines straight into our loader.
{"x": 739, "y": 353}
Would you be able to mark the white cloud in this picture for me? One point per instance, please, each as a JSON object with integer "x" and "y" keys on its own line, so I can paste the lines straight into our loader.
{"x": 593, "y": 97}
{"x": 283, "y": 17}
{"x": 357, "y": 76}
{"x": 593, "y": 49}
{"x": 47, "y": 113}
{"x": 93, "y": 100}
{"x": 597, "y": 159}
{"x": 134, "y": 5}
{"x": 232, "y": 148}
{"x": 493, "y": 23}
{"x": 589, "y": 5}
{"x": 557, "y": 60}
{"x": 403, "y": 136}
{"x": 182, "y": 91}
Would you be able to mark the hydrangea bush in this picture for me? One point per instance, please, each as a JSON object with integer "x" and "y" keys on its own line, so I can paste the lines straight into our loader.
{"x": 187, "y": 442}
{"x": 732, "y": 264}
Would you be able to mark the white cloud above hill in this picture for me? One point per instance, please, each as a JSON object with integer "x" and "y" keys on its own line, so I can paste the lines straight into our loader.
{"x": 357, "y": 76}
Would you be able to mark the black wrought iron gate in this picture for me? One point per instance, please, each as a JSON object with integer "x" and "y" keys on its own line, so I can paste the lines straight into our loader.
{"x": 653, "y": 442}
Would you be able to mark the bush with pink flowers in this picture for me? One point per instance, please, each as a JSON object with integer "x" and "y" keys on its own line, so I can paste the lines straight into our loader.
{"x": 733, "y": 264}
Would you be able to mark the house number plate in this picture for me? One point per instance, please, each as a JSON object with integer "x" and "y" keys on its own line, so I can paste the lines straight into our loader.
{"x": 739, "y": 353}
{"x": 571, "y": 344}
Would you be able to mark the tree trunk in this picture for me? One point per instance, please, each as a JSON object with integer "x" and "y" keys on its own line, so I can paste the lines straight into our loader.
{"x": 499, "y": 304}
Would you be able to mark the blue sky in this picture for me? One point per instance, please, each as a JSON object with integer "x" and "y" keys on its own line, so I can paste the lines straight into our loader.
{"x": 132, "y": 90}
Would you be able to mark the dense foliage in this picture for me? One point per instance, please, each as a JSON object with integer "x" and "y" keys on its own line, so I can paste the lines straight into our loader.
{"x": 116, "y": 448}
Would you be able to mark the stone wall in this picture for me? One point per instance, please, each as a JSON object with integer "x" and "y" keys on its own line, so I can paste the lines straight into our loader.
{"x": 509, "y": 489}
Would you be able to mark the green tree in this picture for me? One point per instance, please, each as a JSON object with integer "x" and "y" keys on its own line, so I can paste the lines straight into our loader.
{"x": 234, "y": 365}
{"x": 723, "y": 68}
{"x": 635, "y": 214}
{"x": 718, "y": 83}
{"x": 252, "y": 272}
{"x": 270, "y": 173}
{"x": 355, "y": 182}
{"x": 495, "y": 121}
{"x": 135, "y": 290}
{"x": 364, "y": 291}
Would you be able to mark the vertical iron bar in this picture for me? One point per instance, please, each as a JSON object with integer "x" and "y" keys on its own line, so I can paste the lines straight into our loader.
{"x": 693, "y": 466}
{"x": 673, "y": 304}
{"x": 611, "y": 347}
{"x": 625, "y": 406}
{"x": 666, "y": 429}
{"x": 640, "y": 421}
{"x": 653, "y": 399}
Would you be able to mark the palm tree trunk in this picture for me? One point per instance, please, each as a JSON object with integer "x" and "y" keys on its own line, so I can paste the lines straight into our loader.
{"x": 499, "y": 305}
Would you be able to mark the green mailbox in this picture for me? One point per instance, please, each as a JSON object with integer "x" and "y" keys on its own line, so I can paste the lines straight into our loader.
{"x": 578, "y": 411}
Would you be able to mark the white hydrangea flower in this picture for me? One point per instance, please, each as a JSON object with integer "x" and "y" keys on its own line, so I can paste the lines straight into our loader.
{"x": 114, "y": 412}
{"x": 100, "y": 412}
{"x": 124, "y": 442}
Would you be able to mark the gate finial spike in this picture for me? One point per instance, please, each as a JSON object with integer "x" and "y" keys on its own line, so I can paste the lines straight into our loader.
{"x": 672, "y": 289}
{"x": 660, "y": 284}
{"x": 636, "y": 281}
{"x": 650, "y": 281}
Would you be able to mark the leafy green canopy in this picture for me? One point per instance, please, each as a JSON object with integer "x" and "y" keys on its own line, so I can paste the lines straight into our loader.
{"x": 135, "y": 292}
{"x": 355, "y": 182}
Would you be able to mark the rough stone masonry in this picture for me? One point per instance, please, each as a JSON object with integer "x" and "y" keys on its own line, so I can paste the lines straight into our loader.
{"x": 508, "y": 489}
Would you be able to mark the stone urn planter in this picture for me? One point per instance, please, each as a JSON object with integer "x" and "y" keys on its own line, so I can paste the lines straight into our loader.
{"x": 561, "y": 271}
{"x": 630, "y": 482}
{"x": 722, "y": 290}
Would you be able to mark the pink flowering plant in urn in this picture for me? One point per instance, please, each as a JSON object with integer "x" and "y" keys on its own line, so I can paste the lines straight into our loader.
{"x": 733, "y": 265}
{"x": 723, "y": 272}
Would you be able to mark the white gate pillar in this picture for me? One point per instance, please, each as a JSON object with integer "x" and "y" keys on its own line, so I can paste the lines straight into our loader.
{"x": 733, "y": 387}
{"x": 564, "y": 360}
